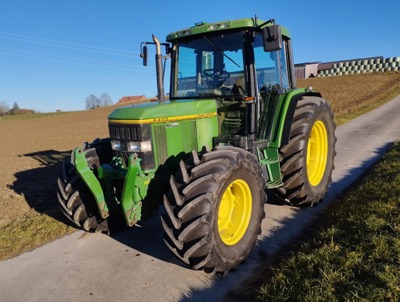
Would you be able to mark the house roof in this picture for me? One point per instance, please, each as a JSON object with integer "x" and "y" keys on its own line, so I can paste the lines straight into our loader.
{"x": 128, "y": 99}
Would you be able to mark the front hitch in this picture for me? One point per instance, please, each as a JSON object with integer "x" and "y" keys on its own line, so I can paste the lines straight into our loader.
{"x": 134, "y": 186}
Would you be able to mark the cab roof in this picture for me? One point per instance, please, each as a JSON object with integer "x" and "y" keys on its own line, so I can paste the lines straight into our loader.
{"x": 204, "y": 27}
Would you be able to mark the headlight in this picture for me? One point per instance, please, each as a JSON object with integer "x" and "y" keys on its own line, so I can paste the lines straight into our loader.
{"x": 116, "y": 145}
{"x": 139, "y": 146}
{"x": 133, "y": 146}
{"x": 145, "y": 146}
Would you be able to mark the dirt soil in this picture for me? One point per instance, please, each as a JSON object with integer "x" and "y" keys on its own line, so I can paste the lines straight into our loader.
{"x": 32, "y": 151}
{"x": 350, "y": 94}
{"x": 30, "y": 156}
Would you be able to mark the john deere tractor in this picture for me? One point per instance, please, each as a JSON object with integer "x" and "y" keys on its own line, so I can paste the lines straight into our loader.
{"x": 233, "y": 127}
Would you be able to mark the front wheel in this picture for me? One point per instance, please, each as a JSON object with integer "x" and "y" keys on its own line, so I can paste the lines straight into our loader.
{"x": 76, "y": 200}
{"x": 214, "y": 209}
{"x": 307, "y": 160}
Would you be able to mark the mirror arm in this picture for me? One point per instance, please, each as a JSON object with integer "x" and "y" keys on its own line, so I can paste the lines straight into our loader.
{"x": 272, "y": 21}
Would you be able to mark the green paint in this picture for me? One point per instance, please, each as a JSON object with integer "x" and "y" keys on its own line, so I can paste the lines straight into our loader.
{"x": 280, "y": 116}
{"x": 270, "y": 158}
{"x": 135, "y": 184}
{"x": 91, "y": 181}
{"x": 181, "y": 137}
{"x": 131, "y": 199}
{"x": 174, "y": 138}
{"x": 158, "y": 113}
{"x": 203, "y": 28}
{"x": 206, "y": 129}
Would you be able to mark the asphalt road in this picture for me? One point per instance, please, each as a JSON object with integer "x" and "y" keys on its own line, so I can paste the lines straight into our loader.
{"x": 136, "y": 266}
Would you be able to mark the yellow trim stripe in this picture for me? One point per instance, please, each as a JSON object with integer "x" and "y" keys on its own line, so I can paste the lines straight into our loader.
{"x": 158, "y": 120}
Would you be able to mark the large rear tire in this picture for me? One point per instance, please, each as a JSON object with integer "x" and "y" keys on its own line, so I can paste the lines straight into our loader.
{"x": 214, "y": 209}
{"x": 307, "y": 160}
{"x": 76, "y": 200}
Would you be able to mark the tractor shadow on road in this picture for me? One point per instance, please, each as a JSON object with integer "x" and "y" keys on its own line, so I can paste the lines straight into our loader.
{"x": 147, "y": 238}
{"x": 39, "y": 185}
{"x": 39, "y": 188}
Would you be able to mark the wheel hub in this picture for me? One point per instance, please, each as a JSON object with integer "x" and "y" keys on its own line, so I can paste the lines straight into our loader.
{"x": 234, "y": 212}
{"x": 317, "y": 153}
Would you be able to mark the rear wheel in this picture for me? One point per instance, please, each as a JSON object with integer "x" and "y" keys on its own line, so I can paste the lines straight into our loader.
{"x": 214, "y": 209}
{"x": 75, "y": 198}
{"x": 307, "y": 160}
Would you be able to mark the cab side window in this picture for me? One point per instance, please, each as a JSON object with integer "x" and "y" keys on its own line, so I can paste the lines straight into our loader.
{"x": 271, "y": 67}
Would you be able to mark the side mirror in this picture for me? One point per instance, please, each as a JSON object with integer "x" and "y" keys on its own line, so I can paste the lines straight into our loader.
{"x": 272, "y": 38}
{"x": 144, "y": 55}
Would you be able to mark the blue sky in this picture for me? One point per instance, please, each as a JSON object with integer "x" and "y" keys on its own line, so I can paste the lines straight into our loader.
{"x": 53, "y": 54}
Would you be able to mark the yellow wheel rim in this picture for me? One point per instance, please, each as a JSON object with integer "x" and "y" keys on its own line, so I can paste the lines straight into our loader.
{"x": 317, "y": 153}
{"x": 234, "y": 212}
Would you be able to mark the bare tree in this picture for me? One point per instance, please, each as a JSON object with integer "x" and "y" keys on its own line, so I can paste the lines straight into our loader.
{"x": 15, "y": 108}
{"x": 105, "y": 100}
{"x": 3, "y": 108}
{"x": 92, "y": 102}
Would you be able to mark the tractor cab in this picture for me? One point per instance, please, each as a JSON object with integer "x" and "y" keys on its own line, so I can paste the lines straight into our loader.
{"x": 220, "y": 63}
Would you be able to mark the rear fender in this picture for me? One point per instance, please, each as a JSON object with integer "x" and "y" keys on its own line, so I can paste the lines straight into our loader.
{"x": 287, "y": 114}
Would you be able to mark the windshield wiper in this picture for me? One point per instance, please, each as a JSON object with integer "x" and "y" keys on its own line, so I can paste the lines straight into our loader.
{"x": 221, "y": 51}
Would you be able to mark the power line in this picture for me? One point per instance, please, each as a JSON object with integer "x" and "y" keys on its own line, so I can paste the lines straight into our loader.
{"x": 65, "y": 62}
{"x": 14, "y": 50}
{"x": 76, "y": 75}
{"x": 66, "y": 45}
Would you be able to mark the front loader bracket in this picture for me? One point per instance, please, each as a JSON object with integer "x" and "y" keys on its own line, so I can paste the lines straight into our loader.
{"x": 91, "y": 181}
{"x": 131, "y": 200}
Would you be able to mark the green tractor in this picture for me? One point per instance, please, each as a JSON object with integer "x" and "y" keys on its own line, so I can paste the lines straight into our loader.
{"x": 234, "y": 125}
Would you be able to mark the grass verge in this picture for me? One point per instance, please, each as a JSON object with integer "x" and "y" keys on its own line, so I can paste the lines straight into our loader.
{"x": 30, "y": 116}
{"x": 29, "y": 232}
{"x": 351, "y": 252}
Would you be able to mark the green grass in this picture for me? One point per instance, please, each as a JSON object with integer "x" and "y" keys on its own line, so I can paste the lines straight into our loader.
{"x": 352, "y": 251}
{"x": 30, "y": 116}
{"x": 29, "y": 232}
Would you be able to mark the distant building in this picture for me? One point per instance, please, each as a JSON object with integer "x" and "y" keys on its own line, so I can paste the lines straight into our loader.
{"x": 313, "y": 69}
{"x": 132, "y": 99}
{"x": 20, "y": 111}
{"x": 306, "y": 70}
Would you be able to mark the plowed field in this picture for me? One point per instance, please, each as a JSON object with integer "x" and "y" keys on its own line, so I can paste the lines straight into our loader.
{"x": 32, "y": 151}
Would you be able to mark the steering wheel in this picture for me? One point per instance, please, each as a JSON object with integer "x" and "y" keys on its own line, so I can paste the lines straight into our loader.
{"x": 219, "y": 76}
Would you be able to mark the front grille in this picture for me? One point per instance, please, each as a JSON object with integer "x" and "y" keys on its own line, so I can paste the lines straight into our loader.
{"x": 125, "y": 133}
{"x": 160, "y": 140}
{"x": 130, "y": 132}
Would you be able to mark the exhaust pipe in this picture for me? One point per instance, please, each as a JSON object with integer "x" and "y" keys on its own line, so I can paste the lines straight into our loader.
{"x": 159, "y": 72}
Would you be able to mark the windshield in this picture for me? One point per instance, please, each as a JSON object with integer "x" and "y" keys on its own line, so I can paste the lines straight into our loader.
{"x": 210, "y": 66}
